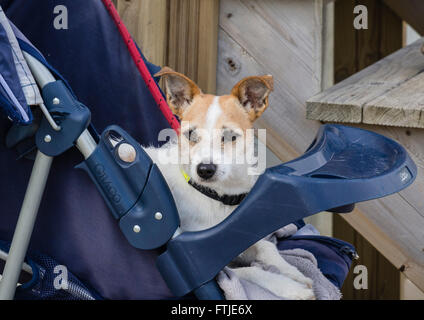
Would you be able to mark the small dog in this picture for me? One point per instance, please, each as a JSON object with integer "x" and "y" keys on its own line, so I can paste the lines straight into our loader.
{"x": 208, "y": 186}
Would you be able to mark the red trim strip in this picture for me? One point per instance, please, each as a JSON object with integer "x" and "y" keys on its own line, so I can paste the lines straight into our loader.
{"x": 141, "y": 66}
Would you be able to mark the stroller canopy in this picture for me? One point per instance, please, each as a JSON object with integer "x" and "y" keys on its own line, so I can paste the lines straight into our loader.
{"x": 18, "y": 89}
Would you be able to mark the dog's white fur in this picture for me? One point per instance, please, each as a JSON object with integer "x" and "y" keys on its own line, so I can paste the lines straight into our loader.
{"x": 199, "y": 212}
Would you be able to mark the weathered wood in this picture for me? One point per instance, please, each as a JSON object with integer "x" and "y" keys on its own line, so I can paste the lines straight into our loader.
{"x": 193, "y": 40}
{"x": 182, "y": 34}
{"x": 282, "y": 38}
{"x": 393, "y": 225}
{"x": 409, "y": 291}
{"x": 401, "y": 106}
{"x": 293, "y": 41}
{"x": 412, "y": 11}
{"x": 208, "y": 44}
{"x": 359, "y": 49}
{"x": 147, "y": 22}
{"x": 365, "y": 91}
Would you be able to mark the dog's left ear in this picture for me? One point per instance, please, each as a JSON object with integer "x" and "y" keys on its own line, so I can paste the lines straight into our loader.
{"x": 253, "y": 92}
{"x": 180, "y": 90}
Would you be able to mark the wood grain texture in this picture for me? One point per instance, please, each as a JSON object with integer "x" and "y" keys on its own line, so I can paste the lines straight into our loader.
{"x": 193, "y": 40}
{"x": 412, "y": 11}
{"x": 293, "y": 41}
{"x": 357, "y": 50}
{"x": 282, "y": 38}
{"x": 366, "y": 91}
{"x": 146, "y": 20}
{"x": 383, "y": 277}
{"x": 182, "y": 34}
{"x": 393, "y": 225}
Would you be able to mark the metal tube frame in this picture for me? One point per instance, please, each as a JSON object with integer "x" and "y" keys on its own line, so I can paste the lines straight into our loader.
{"x": 36, "y": 185}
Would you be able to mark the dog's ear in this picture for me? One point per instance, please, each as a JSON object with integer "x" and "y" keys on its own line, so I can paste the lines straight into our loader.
{"x": 180, "y": 90}
{"x": 253, "y": 92}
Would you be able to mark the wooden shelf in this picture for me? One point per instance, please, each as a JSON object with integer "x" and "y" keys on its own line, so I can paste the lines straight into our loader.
{"x": 389, "y": 92}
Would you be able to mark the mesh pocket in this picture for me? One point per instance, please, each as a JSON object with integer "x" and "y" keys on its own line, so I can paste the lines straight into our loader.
{"x": 51, "y": 281}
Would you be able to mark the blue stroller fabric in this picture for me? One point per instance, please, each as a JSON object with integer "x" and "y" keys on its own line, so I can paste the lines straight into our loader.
{"x": 74, "y": 225}
{"x": 15, "y": 77}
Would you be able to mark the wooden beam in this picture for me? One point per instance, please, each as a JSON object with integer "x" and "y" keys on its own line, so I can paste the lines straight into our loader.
{"x": 386, "y": 93}
{"x": 412, "y": 11}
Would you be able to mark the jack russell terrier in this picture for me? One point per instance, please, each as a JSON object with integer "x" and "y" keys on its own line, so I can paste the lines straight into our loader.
{"x": 206, "y": 182}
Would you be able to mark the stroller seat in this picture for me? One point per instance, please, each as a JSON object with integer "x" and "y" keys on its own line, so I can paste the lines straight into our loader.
{"x": 343, "y": 166}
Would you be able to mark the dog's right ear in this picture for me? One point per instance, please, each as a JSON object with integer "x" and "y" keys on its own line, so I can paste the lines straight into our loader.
{"x": 180, "y": 90}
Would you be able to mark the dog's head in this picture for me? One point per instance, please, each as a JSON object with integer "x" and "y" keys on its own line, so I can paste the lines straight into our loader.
{"x": 215, "y": 137}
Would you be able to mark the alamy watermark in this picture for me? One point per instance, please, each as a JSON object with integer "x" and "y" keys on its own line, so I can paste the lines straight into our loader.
{"x": 217, "y": 146}
{"x": 361, "y": 20}
{"x": 360, "y": 282}
{"x": 60, "y": 21}
{"x": 60, "y": 282}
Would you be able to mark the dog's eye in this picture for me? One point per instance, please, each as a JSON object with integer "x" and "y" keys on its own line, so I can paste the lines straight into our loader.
{"x": 191, "y": 135}
{"x": 229, "y": 135}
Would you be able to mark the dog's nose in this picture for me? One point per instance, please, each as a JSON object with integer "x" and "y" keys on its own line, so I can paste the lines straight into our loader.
{"x": 206, "y": 170}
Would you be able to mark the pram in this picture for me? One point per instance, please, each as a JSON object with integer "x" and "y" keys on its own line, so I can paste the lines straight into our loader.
{"x": 343, "y": 166}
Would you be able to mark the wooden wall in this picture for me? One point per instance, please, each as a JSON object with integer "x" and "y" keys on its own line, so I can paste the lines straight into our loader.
{"x": 287, "y": 39}
{"x": 181, "y": 34}
{"x": 354, "y": 50}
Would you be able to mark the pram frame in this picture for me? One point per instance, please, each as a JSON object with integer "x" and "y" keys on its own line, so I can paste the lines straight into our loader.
{"x": 35, "y": 190}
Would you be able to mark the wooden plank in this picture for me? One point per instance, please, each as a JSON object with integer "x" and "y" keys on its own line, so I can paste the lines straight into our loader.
{"x": 360, "y": 49}
{"x": 412, "y": 11}
{"x": 147, "y": 22}
{"x": 193, "y": 40}
{"x": 361, "y": 90}
{"x": 409, "y": 291}
{"x": 293, "y": 41}
{"x": 208, "y": 44}
{"x": 282, "y": 38}
{"x": 403, "y": 106}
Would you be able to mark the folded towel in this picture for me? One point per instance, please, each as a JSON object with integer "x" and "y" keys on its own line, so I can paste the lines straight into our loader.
{"x": 237, "y": 288}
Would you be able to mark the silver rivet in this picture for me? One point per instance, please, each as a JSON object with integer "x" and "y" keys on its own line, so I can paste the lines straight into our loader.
{"x": 47, "y": 138}
{"x": 127, "y": 152}
{"x": 158, "y": 216}
{"x": 56, "y": 101}
{"x": 136, "y": 228}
